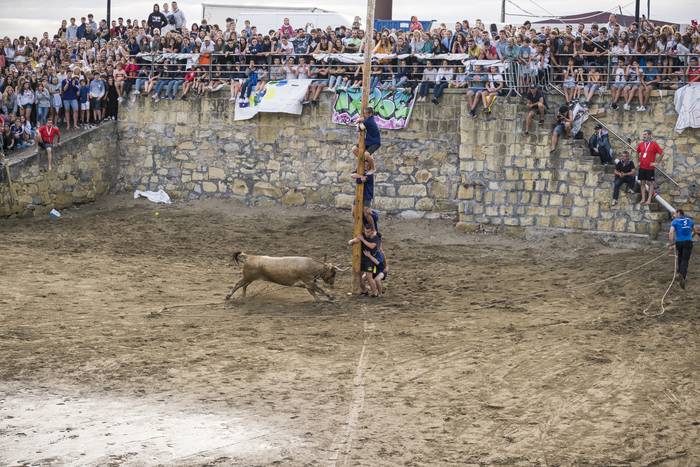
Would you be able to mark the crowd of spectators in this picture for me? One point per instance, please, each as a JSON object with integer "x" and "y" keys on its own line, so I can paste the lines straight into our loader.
{"x": 79, "y": 75}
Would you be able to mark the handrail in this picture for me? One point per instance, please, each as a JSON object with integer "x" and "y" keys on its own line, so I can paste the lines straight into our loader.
{"x": 665, "y": 204}
{"x": 624, "y": 141}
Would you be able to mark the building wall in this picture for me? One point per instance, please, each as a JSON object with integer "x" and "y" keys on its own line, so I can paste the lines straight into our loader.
{"x": 84, "y": 167}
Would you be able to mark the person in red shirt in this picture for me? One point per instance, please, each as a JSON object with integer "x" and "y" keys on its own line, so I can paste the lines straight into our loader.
{"x": 48, "y": 136}
{"x": 647, "y": 150}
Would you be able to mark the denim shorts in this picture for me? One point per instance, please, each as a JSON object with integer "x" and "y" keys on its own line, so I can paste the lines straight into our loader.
{"x": 619, "y": 85}
{"x": 70, "y": 104}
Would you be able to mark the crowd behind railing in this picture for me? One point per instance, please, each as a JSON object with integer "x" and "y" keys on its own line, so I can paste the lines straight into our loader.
{"x": 82, "y": 73}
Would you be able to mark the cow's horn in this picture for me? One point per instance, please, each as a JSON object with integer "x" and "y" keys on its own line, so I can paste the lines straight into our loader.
{"x": 339, "y": 269}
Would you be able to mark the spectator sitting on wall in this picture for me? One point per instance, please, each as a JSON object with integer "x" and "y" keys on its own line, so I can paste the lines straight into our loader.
{"x": 477, "y": 86}
{"x": 48, "y": 136}
{"x": 624, "y": 174}
{"x": 562, "y": 127}
{"x": 444, "y": 76}
{"x": 599, "y": 145}
{"x": 428, "y": 81}
{"x": 535, "y": 105}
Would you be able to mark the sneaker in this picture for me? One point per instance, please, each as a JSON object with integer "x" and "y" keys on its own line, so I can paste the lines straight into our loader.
{"x": 682, "y": 283}
{"x": 232, "y": 99}
{"x": 626, "y": 106}
{"x": 614, "y": 106}
{"x": 614, "y": 202}
{"x": 472, "y": 114}
{"x": 435, "y": 101}
{"x": 641, "y": 108}
{"x": 120, "y": 99}
{"x": 136, "y": 93}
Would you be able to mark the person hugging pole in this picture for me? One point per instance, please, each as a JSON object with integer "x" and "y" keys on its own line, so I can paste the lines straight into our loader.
{"x": 368, "y": 188}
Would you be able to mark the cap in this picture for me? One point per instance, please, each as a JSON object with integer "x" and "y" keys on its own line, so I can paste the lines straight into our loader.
{"x": 598, "y": 126}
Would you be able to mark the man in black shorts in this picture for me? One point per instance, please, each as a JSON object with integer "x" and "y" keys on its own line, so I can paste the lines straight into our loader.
{"x": 535, "y": 105}
{"x": 370, "y": 244}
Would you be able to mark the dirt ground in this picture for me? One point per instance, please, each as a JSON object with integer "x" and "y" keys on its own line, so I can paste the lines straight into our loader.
{"x": 485, "y": 349}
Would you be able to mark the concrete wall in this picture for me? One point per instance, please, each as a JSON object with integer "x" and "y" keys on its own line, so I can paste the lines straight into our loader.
{"x": 194, "y": 148}
{"x": 84, "y": 167}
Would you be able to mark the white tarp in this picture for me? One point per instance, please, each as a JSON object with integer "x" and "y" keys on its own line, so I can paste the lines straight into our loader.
{"x": 159, "y": 196}
{"x": 687, "y": 103}
{"x": 277, "y": 96}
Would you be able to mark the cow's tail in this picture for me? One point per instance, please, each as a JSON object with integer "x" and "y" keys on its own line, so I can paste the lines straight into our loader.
{"x": 239, "y": 257}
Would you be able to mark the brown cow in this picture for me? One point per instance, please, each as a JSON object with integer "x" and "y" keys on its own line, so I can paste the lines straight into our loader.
{"x": 293, "y": 271}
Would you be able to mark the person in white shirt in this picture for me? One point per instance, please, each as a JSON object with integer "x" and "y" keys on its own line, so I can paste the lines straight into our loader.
{"x": 428, "y": 81}
{"x": 290, "y": 71}
{"x": 443, "y": 78}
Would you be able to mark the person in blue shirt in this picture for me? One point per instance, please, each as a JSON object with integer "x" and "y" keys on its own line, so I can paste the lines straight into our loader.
{"x": 373, "y": 139}
{"x": 69, "y": 95}
{"x": 84, "y": 101}
{"x": 681, "y": 235}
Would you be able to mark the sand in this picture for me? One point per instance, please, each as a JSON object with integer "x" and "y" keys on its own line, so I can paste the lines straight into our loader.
{"x": 485, "y": 349}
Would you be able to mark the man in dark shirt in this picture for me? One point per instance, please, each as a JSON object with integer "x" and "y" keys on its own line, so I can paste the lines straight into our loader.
{"x": 372, "y": 137}
{"x": 535, "y": 104}
{"x": 624, "y": 174}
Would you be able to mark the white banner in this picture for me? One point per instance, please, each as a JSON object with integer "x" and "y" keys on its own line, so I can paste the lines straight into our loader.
{"x": 284, "y": 96}
{"x": 687, "y": 103}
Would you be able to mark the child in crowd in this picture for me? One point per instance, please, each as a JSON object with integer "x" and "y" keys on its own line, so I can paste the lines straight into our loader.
{"x": 84, "y": 102}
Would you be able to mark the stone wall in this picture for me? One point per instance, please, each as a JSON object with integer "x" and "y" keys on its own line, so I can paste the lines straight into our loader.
{"x": 483, "y": 171}
{"x": 84, "y": 167}
{"x": 194, "y": 148}
{"x": 510, "y": 180}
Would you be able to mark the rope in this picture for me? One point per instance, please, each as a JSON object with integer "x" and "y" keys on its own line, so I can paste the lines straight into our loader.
{"x": 601, "y": 281}
{"x": 663, "y": 298}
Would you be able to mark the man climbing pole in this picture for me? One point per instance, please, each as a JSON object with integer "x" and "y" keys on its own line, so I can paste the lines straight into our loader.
{"x": 369, "y": 133}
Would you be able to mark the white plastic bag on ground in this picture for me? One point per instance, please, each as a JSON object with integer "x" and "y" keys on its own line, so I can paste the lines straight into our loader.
{"x": 159, "y": 196}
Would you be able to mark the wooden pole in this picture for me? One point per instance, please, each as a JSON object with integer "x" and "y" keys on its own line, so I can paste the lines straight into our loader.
{"x": 359, "y": 189}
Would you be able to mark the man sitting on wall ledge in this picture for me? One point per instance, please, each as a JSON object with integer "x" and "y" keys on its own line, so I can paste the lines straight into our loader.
{"x": 47, "y": 136}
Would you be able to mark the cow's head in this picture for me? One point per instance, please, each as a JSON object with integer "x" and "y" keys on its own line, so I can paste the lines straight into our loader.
{"x": 329, "y": 272}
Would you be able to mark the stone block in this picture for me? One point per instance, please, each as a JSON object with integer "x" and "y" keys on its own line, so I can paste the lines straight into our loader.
{"x": 412, "y": 190}
{"x": 210, "y": 187}
{"x": 343, "y": 200}
{"x": 216, "y": 173}
{"x": 266, "y": 189}
{"x": 293, "y": 198}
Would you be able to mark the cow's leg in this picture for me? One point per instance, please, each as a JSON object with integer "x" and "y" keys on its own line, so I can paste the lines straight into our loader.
{"x": 241, "y": 283}
{"x": 315, "y": 287}
{"x": 311, "y": 288}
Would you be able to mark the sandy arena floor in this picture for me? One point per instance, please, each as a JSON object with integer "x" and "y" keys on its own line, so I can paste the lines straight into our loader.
{"x": 459, "y": 363}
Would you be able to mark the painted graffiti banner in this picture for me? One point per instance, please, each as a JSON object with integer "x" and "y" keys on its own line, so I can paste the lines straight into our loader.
{"x": 276, "y": 97}
{"x": 392, "y": 108}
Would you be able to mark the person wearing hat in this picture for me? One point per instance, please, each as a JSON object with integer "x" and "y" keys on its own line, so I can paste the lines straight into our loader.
{"x": 624, "y": 174}
{"x": 599, "y": 145}
{"x": 535, "y": 105}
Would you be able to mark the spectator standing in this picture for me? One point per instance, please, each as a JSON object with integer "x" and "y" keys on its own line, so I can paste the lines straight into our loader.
{"x": 156, "y": 20}
{"x": 70, "y": 87}
{"x": 680, "y": 235}
{"x": 48, "y": 136}
{"x": 72, "y": 31}
{"x": 98, "y": 90}
{"x": 111, "y": 100}
{"x": 415, "y": 24}
{"x": 25, "y": 101}
{"x": 84, "y": 101}
{"x": 624, "y": 174}
{"x": 286, "y": 30}
{"x": 43, "y": 103}
{"x": 647, "y": 150}
{"x": 178, "y": 16}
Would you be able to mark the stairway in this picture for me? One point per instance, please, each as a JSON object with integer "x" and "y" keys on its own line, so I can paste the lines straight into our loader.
{"x": 522, "y": 184}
